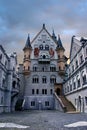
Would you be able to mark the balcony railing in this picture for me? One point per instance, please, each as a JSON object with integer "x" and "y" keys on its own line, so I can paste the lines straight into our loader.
{"x": 44, "y": 61}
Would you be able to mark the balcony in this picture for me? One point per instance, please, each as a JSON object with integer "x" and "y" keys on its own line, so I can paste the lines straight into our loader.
{"x": 44, "y": 61}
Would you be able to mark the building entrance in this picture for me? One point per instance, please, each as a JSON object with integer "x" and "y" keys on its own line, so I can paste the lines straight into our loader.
{"x": 58, "y": 91}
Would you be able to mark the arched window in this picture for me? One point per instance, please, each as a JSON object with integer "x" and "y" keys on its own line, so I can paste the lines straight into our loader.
{"x": 52, "y": 68}
{"x": 44, "y": 79}
{"x": 67, "y": 88}
{"x": 78, "y": 81}
{"x": 35, "y": 67}
{"x": 41, "y": 47}
{"x": 35, "y": 79}
{"x": 53, "y": 79}
{"x": 44, "y": 57}
{"x": 70, "y": 87}
{"x": 74, "y": 83}
{"x": 83, "y": 78}
{"x": 46, "y": 47}
{"x": 76, "y": 63}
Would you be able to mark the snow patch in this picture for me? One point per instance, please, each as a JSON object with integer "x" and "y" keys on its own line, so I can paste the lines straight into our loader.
{"x": 12, "y": 125}
{"x": 77, "y": 124}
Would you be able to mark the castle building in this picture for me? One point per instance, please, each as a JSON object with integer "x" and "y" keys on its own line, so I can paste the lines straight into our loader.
{"x": 75, "y": 87}
{"x": 9, "y": 82}
{"x": 43, "y": 70}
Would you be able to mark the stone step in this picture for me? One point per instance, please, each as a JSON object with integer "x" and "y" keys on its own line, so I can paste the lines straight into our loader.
{"x": 69, "y": 106}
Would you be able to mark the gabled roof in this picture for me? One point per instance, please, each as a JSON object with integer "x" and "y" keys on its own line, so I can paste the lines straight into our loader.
{"x": 78, "y": 42}
{"x": 43, "y": 28}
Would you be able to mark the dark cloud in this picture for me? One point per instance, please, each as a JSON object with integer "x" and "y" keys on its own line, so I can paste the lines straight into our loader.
{"x": 20, "y": 17}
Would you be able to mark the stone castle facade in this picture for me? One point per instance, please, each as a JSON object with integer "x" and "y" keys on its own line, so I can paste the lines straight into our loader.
{"x": 9, "y": 81}
{"x": 44, "y": 80}
{"x": 75, "y": 87}
{"x": 43, "y": 66}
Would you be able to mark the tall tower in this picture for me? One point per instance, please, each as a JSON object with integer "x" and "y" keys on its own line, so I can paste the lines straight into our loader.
{"x": 27, "y": 53}
{"x": 61, "y": 58}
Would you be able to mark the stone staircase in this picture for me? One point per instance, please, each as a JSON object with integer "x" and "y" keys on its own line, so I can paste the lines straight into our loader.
{"x": 68, "y": 105}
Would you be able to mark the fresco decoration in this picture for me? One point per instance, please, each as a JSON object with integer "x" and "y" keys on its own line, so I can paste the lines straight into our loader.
{"x": 36, "y": 52}
{"x": 51, "y": 52}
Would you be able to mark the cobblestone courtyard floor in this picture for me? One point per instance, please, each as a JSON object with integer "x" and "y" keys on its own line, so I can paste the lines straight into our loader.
{"x": 43, "y": 120}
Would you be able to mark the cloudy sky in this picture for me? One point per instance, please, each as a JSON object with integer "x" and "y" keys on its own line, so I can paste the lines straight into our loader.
{"x": 20, "y": 17}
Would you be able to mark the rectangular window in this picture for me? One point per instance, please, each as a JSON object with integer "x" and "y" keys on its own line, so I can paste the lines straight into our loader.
{"x": 74, "y": 85}
{"x": 78, "y": 83}
{"x": 32, "y": 91}
{"x": 81, "y": 59}
{"x": 51, "y": 91}
{"x": 32, "y": 103}
{"x": 46, "y": 103}
{"x": 37, "y": 91}
{"x": 44, "y": 91}
{"x": 86, "y": 100}
{"x": 76, "y": 64}
{"x": 73, "y": 68}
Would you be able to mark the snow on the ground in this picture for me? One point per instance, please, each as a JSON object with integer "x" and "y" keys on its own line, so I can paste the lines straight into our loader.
{"x": 12, "y": 125}
{"x": 77, "y": 124}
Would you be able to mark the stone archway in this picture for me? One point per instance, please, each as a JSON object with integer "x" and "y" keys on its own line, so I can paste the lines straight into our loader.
{"x": 58, "y": 89}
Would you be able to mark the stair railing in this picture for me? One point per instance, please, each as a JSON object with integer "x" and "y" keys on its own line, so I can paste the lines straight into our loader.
{"x": 60, "y": 101}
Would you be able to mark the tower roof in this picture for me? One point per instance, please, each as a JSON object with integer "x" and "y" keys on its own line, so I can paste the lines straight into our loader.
{"x": 59, "y": 43}
{"x": 54, "y": 36}
{"x": 28, "y": 44}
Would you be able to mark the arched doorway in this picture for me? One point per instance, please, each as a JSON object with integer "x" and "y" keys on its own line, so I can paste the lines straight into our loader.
{"x": 58, "y": 91}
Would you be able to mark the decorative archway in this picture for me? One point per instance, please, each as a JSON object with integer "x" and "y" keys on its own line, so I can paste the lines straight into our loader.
{"x": 58, "y": 89}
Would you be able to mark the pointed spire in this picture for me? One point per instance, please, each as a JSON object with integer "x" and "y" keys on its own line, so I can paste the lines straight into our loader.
{"x": 43, "y": 25}
{"x": 53, "y": 35}
{"x": 28, "y": 44}
{"x": 59, "y": 43}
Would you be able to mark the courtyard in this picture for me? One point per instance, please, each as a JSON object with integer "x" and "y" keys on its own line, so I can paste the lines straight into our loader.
{"x": 43, "y": 120}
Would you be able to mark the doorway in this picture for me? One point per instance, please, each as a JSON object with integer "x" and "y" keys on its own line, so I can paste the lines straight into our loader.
{"x": 58, "y": 91}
